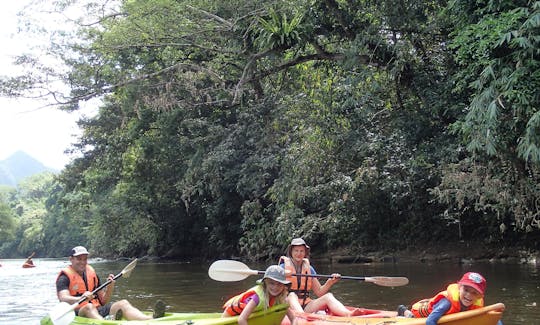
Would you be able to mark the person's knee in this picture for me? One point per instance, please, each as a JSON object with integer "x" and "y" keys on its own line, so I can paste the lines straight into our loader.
{"x": 328, "y": 296}
{"x": 89, "y": 307}
{"x": 121, "y": 304}
{"x": 87, "y": 310}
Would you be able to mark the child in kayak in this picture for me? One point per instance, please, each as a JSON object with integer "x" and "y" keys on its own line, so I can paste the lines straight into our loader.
{"x": 466, "y": 294}
{"x": 296, "y": 261}
{"x": 269, "y": 291}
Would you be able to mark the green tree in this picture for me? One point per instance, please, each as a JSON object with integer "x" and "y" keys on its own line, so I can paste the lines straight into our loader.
{"x": 496, "y": 48}
{"x": 7, "y": 223}
{"x": 241, "y": 124}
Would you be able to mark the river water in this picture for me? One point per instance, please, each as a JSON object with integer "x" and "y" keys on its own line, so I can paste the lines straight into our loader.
{"x": 26, "y": 295}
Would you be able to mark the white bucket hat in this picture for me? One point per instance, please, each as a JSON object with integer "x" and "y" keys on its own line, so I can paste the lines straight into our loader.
{"x": 297, "y": 242}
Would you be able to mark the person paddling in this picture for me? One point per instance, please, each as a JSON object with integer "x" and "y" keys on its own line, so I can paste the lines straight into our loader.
{"x": 29, "y": 263}
{"x": 79, "y": 280}
{"x": 296, "y": 261}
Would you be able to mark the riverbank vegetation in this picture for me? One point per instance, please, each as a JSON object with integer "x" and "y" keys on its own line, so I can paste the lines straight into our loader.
{"x": 226, "y": 128}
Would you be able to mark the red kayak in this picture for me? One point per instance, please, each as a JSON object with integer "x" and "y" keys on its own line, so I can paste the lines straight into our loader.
{"x": 361, "y": 313}
{"x": 29, "y": 263}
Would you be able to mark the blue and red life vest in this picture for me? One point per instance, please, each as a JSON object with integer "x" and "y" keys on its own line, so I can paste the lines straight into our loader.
{"x": 424, "y": 307}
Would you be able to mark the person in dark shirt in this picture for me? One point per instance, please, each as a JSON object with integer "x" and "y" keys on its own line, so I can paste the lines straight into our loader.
{"x": 79, "y": 280}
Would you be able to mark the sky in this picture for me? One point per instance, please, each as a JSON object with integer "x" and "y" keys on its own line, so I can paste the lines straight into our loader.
{"x": 43, "y": 133}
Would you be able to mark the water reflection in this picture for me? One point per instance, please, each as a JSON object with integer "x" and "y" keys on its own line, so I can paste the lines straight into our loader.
{"x": 26, "y": 295}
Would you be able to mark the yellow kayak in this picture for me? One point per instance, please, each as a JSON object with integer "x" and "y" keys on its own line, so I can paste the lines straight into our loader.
{"x": 488, "y": 315}
{"x": 273, "y": 316}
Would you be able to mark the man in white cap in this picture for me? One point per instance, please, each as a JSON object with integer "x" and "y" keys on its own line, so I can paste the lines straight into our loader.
{"x": 79, "y": 280}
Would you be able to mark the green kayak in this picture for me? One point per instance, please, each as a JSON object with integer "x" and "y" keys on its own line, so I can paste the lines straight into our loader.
{"x": 272, "y": 316}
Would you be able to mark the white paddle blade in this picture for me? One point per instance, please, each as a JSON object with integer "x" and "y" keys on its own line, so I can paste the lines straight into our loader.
{"x": 229, "y": 271}
{"x": 126, "y": 272}
{"x": 388, "y": 281}
{"x": 62, "y": 314}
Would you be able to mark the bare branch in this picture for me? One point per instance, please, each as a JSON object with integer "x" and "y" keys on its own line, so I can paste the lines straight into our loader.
{"x": 212, "y": 16}
{"x": 173, "y": 44}
{"x": 102, "y": 19}
{"x": 111, "y": 88}
{"x": 319, "y": 56}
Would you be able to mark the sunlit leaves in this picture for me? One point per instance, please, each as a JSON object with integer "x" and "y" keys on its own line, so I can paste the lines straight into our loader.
{"x": 7, "y": 223}
{"x": 279, "y": 31}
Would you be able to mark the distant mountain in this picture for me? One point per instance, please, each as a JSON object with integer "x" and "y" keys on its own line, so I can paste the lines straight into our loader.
{"x": 19, "y": 166}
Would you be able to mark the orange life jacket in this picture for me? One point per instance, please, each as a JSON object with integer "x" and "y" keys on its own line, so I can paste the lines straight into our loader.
{"x": 236, "y": 304}
{"x": 301, "y": 285}
{"x": 77, "y": 286}
{"x": 424, "y": 307}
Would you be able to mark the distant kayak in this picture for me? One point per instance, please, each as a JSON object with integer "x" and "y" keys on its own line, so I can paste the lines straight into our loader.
{"x": 29, "y": 263}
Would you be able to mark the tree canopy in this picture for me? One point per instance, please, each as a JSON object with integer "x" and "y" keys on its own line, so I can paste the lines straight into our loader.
{"x": 229, "y": 127}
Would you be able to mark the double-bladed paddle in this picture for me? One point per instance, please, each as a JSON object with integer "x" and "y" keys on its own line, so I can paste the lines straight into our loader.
{"x": 28, "y": 262}
{"x": 228, "y": 270}
{"x": 62, "y": 314}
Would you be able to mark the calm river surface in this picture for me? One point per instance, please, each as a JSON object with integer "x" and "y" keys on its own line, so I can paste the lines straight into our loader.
{"x": 26, "y": 295}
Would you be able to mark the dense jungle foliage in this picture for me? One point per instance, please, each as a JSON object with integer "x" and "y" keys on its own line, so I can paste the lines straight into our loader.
{"x": 227, "y": 128}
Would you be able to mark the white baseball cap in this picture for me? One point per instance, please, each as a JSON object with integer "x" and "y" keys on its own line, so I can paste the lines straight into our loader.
{"x": 79, "y": 250}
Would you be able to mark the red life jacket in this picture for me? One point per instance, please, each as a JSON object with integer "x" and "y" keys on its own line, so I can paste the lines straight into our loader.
{"x": 424, "y": 307}
{"x": 301, "y": 285}
{"x": 77, "y": 286}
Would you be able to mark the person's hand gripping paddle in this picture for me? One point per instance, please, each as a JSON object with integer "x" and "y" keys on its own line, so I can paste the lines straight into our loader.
{"x": 63, "y": 313}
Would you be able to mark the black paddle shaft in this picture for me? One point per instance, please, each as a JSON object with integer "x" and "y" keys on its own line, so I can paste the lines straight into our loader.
{"x": 323, "y": 276}
{"x": 100, "y": 287}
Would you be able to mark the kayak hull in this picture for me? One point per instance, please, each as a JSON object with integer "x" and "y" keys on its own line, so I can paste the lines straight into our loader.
{"x": 272, "y": 316}
{"x": 488, "y": 315}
